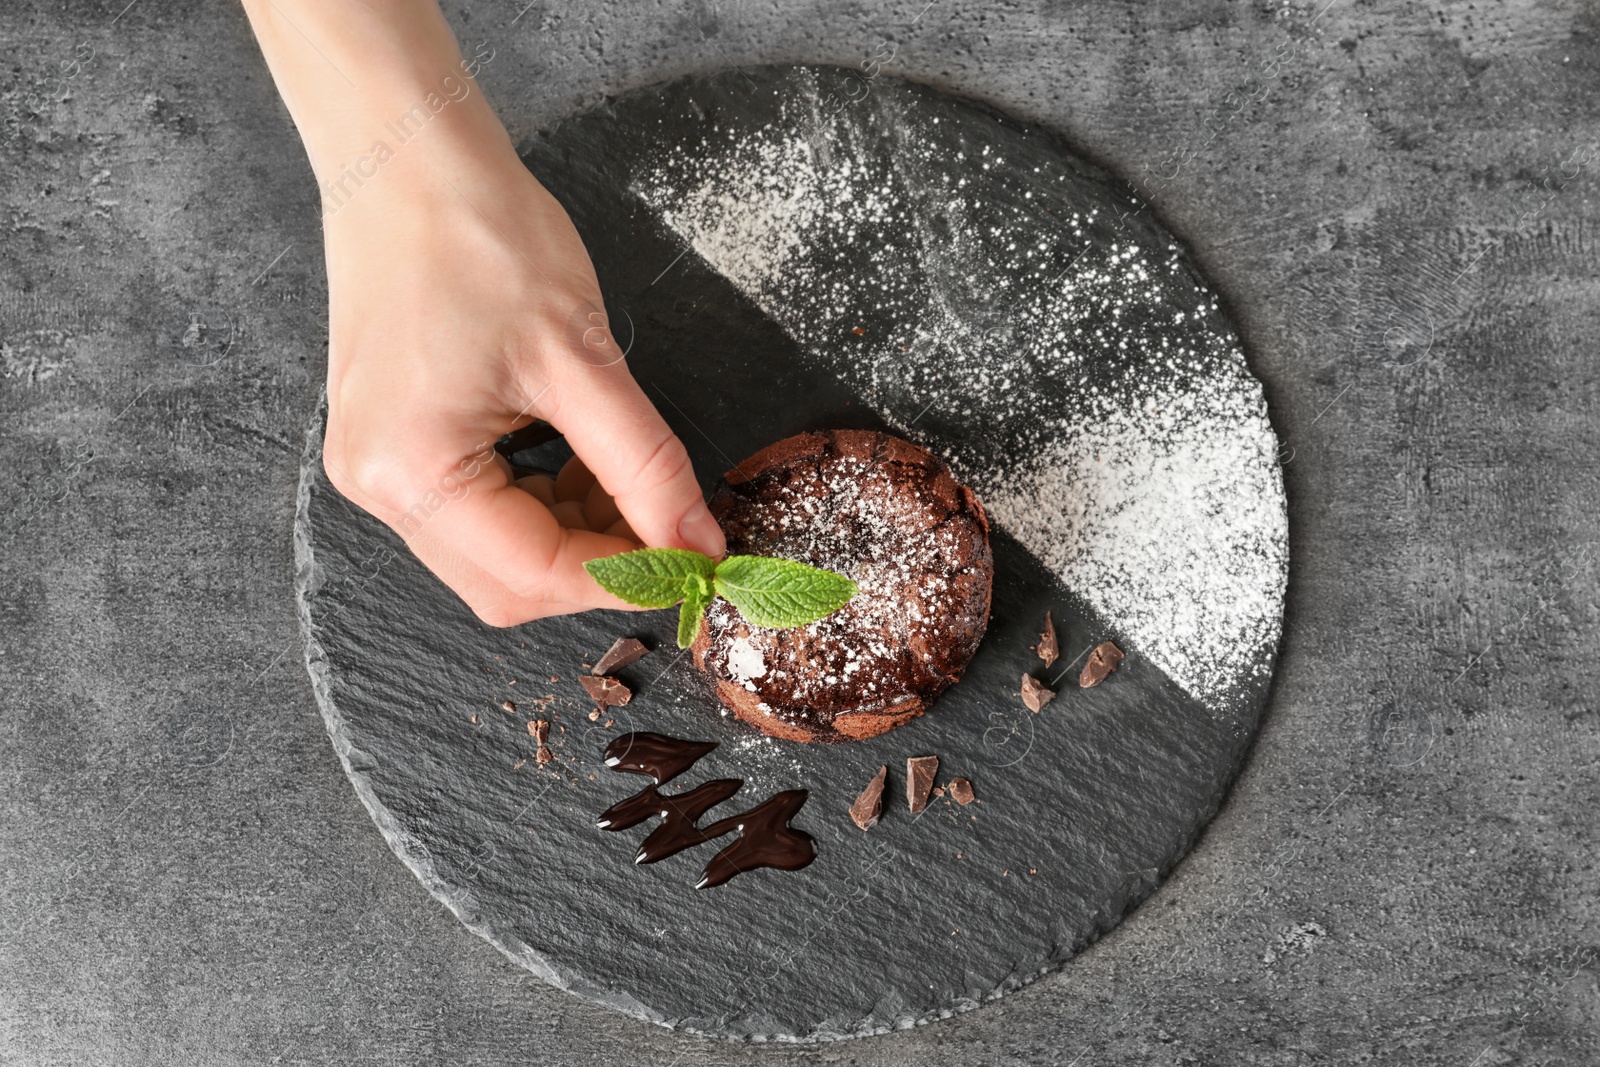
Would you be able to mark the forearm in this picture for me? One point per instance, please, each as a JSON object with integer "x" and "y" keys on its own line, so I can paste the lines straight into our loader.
{"x": 369, "y": 77}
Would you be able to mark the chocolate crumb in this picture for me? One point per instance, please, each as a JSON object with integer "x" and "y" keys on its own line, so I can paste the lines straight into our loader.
{"x": 544, "y": 755}
{"x": 555, "y": 677}
{"x": 626, "y": 650}
{"x": 919, "y": 780}
{"x": 1048, "y": 648}
{"x": 606, "y": 692}
{"x": 506, "y": 705}
{"x": 608, "y": 723}
{"x": 539, "y": 729}
{"x": 594, "y": 715}
{"x": 868, "y": 808}
{"x": 1034, "y": 694}
{"x": 961, "y": 791}
{"x": 857, "y": 330}
{"x": 1102, "y": 661}
{"x": 474, "y": 720}
{"x": 938, "y": 790}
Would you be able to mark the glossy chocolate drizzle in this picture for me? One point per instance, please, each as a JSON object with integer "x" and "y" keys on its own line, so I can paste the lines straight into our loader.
{"x": 662, "y": 758}
{"x": 765, "y": 837}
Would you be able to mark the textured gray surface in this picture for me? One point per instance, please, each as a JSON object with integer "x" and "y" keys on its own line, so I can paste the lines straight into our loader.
{"x": 1083, "y": 809}
{"x": 1405, "y": 871}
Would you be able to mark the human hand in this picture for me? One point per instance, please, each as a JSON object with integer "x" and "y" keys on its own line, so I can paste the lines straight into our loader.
{"x": 459, "y": 309}
{"x": 461, "y": 305}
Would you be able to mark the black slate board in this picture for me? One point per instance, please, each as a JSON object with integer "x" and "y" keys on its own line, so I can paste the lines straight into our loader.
{"x": 1082, "y": 808}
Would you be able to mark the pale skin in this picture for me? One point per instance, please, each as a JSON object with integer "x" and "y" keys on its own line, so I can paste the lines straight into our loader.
{"x": 462, "y": 305}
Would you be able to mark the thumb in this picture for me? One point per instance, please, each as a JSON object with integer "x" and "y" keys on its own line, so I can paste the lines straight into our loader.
{"x": 638, "y": 460}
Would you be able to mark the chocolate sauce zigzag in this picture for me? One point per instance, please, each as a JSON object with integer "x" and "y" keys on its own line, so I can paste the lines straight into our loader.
{"x": 765, "y": 838}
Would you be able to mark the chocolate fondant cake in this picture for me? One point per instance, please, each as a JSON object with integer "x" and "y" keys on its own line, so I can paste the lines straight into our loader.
{"x": 889, "y": 515}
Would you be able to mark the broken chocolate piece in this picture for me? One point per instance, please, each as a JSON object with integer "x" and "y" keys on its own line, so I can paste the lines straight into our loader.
{"x": 626, "y": 650}
{"x": 1102, "y": 661}
{"x": 539, "y": 730}
{"x": 544, "y": 755}
{"x": 961, "y": 791}
{"x": 606, "y": 692}
{"x": 868, "y": 808}
{"x": 919, "y": 780}
{"x": 1048, "y": 648}
{"x": 506, "y": 705}
{"x": 1034, "y": 694}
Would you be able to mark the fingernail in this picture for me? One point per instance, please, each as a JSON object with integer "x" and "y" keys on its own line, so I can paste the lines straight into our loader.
{"x": 701, "y": 532}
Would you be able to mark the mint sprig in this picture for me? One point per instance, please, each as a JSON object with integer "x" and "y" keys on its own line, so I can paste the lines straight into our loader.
{"x": 697, "y": 597}
{"x": 773, "y": 593}
{"x": 780, "y": 592}
{"x": 652, "y": 577}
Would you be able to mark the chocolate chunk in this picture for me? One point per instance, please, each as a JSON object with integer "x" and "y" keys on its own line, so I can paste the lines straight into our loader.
{"x": 961, "y": 791}
{"x": 1102, "y": 661}
{"x": 506, "y": 705}
{"x": 544, "y": 755}
{"x": 607, "y": 692}
{"x": 1048, "y": 648}
{"x": 539, "y": 730}
{"x": 919, "y": 780}
{"x": 868, "y": 808}
{"x": 626, "y": 650}
{"x": 1034, "y": 694}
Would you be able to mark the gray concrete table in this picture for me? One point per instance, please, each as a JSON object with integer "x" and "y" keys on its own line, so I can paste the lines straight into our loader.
{"x": 1397, "y": 201}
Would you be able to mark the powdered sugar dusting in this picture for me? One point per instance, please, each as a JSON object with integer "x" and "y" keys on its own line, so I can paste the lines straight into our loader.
{"x": 745, "y": 661}
{"x": 967, "y": 296}
{"x": 1193, "y": 601}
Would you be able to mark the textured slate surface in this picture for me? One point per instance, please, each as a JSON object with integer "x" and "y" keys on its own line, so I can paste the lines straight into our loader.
{"x": 188, "y": 877}
{"x": 1082, "y": 808}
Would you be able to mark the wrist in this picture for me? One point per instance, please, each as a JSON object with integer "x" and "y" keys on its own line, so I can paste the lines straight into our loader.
{"x": 408, "y": 141}
{"x": 380, "y": 84}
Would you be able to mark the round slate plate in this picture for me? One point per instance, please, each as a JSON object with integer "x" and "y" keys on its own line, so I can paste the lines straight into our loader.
{"x": 801, "y": 248}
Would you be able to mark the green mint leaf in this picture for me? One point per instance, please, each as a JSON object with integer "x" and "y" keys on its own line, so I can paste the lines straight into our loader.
{"x": 649, "y": 577}
{"x": 780, "y": 592}
{"x": 696, "y": 599}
